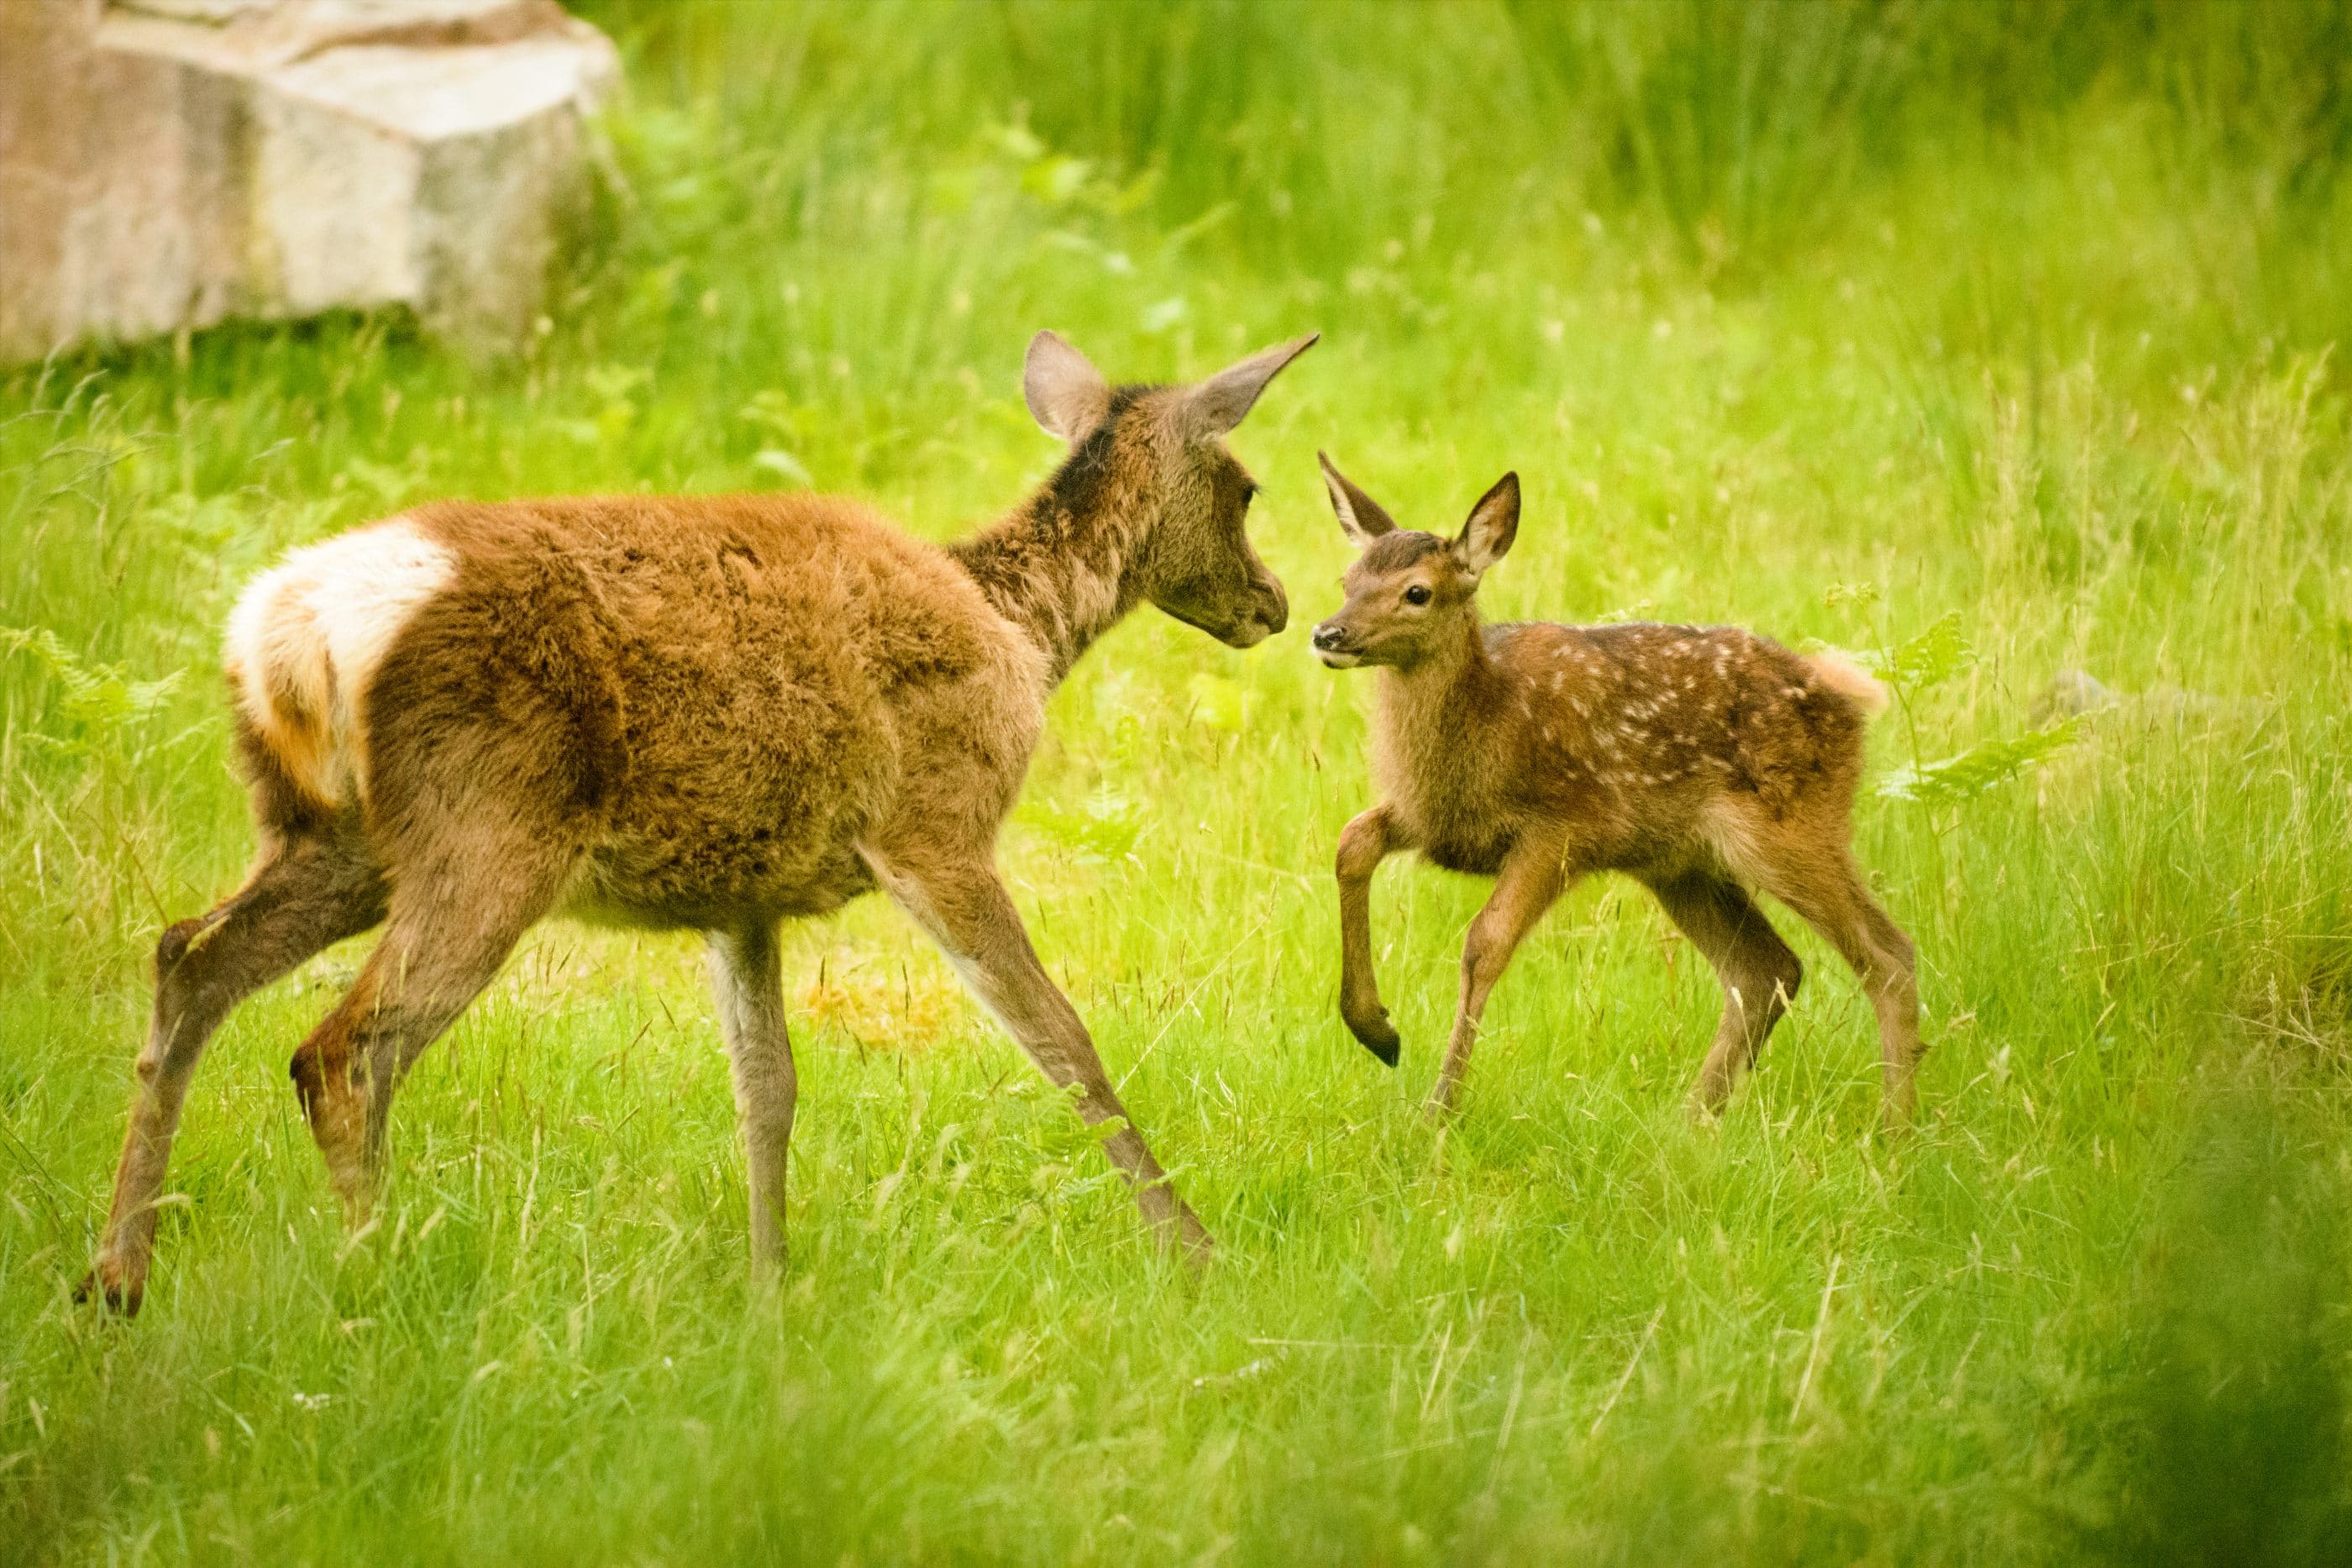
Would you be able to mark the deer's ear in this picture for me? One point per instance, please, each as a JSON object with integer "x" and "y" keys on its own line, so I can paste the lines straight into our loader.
{"x": 1221, "y": 402}
{"x": 1065, "y": 393}
{"x": 1359, "y": 516}
{"x": 1493, "y": 523}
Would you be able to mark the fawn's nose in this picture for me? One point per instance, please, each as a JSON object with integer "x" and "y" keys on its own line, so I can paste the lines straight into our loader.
{"x": 1327, "y": 636}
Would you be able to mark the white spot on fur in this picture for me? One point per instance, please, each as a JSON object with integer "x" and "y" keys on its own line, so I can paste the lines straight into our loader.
{"x": 305, "y": 638}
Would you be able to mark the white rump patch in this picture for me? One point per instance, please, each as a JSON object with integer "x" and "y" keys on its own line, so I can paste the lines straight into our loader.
{"x": 305, "y": 638}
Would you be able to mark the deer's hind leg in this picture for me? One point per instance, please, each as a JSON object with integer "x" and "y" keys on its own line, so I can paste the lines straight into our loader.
{"x": 1825, "y": 889}
{"x": 312, "y": 887}
{"x": 1759, "y": 974}
{"x": 457, "y": 910}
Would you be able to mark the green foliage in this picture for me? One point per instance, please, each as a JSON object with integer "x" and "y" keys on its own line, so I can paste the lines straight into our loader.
{"x": 1927, "y": 660}
{"x": 102, "y": 703}
{"x": 2003, "y": 327}
{"x": 1917, "y": 666}
{"x": 1967, "y": 774}
{"x": 772, "y": 415}
{"x": 1102, "y": 826}
{"x": 2234, "y": 1417}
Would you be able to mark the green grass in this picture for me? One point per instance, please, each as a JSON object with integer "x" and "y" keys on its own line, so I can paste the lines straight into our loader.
{"x": 1832, "y": 320}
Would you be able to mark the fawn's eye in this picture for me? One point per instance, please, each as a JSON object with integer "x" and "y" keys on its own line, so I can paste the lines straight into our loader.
{"x": 1417, "y": 594}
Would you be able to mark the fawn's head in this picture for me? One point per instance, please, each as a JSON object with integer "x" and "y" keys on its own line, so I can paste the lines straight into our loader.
{"x": 1158, "y": 454}
{"x": 1411, "y": 594}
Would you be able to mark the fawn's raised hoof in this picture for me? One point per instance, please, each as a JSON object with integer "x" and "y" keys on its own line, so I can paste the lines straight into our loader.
{"x": 1378, "y": 1037}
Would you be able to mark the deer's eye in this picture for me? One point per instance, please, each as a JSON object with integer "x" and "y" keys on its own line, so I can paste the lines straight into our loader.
{"x": 1417, "y": 594}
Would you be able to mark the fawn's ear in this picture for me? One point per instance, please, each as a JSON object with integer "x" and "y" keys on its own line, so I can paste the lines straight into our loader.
{"x": 1065, "y": 393}
{"x": 1221, "y": 402}
{"x": 1359, "y": 516}
{"x": 1493, "y": 523}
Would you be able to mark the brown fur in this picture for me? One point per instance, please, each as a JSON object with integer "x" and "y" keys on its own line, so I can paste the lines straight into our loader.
{"x": 703, "y": 712}
{"x": 1706, "y": 762}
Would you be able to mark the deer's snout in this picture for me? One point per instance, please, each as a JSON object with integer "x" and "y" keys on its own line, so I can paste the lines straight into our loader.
{"x": 1274, "y": 605}
{"x": 1268, "y": 612}
{"x": 1335, "y": 646}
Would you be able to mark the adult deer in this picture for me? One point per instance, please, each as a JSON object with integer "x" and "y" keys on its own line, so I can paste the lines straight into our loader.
{"x": 711, "y": 712}
{"x": 1704, "y": 762}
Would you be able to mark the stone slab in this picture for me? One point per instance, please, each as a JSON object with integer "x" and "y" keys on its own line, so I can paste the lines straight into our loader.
{"x": 166, "y": 164}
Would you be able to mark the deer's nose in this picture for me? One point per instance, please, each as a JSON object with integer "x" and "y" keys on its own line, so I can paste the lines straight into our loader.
{"x": 1329, "y": 636}
{"x": 1277, "y": 613}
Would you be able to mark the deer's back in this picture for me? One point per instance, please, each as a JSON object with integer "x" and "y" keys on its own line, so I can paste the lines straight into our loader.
{"x": 714, "y": 696}
{"x": 1636, "y": 734}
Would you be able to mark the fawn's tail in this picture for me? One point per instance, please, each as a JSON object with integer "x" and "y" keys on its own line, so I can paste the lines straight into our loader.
{"x": 1850, "y": 681}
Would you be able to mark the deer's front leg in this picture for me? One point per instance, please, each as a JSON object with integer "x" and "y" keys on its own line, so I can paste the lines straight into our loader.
{"x": 1531, "y": 879}
{"x": 964, "y": 907}
{"x": 748, "y": 981}
{"x": 1363, "y": 844}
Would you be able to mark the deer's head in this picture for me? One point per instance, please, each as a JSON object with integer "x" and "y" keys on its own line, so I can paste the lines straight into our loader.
{"x": 1162, "y": 451}
{"x": 1411, "y": 594}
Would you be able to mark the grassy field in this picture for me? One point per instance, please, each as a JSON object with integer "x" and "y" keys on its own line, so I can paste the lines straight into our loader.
{"x": 2005, "y": 338}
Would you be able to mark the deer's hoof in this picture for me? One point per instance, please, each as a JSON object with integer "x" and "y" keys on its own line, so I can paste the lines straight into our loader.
{"x": 116, "y": 1296}
{"x": 1378, "y": 1037}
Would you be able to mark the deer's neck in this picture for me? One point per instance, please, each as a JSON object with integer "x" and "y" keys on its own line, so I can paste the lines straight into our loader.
{"x": 1436, "y": 716}
{"x": 1060, "y": 566}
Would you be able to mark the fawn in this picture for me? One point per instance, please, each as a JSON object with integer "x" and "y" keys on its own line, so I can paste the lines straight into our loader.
{"x": 709, "y": 712}
{"x": 1705, "y": 762}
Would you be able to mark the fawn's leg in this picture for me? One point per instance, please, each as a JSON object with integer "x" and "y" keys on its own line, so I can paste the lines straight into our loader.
{"x": 1363, "y": 844}
{"x": 964, "y": 907}
{"x": 1895, "y": 997}
{"x": 749, "y": 984}
{"x": 1758, "y": 973}
{"x": 306, "y": 893}
{"x": 1830, "y": 895}
{"x": 456, "y": 913}
{"x": 1532, "y": 878}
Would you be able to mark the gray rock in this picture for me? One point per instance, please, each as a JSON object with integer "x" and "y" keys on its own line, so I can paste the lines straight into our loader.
{"x": 2077, "y": 694}
{"x": 2071, "y": 693}
{"x": 166, "y": 164}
